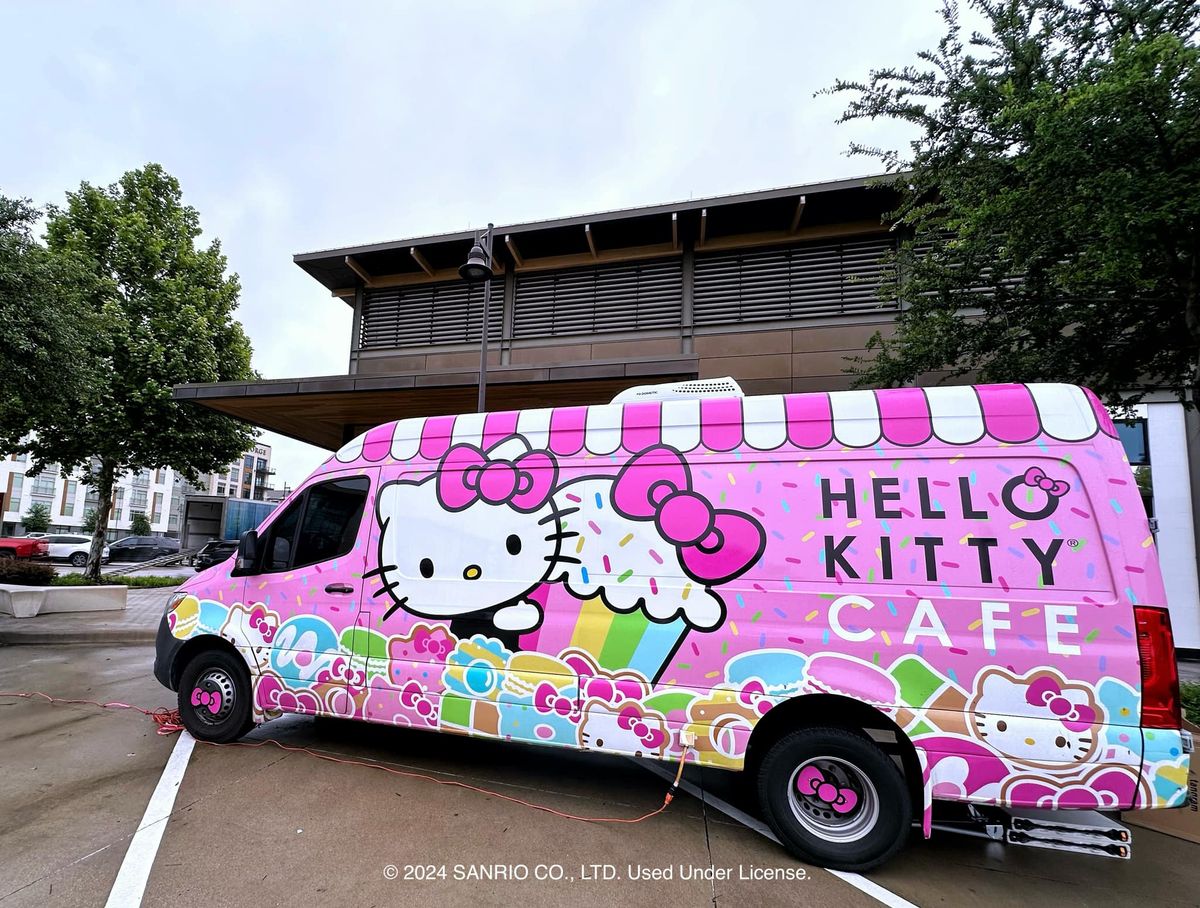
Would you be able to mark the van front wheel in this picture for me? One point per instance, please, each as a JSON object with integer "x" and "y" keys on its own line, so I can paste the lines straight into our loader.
{"x": 214, "y": 697}
{"x": 834, "y": 798}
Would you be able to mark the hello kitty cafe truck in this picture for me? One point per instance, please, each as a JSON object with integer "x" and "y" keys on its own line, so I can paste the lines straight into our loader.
{"x": 871, "y": 600}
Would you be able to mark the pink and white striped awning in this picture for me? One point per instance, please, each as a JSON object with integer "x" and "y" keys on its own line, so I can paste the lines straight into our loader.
{"x": 959, "y": 415}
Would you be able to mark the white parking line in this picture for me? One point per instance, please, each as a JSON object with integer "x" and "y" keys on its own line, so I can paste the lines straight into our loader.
{"x": 130, "y": 884}
{"x": 858, "y": 881}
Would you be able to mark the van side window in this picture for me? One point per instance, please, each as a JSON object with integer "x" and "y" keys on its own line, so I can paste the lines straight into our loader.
{"x": 319, "y": 525}
{"x": 278, "y": 550}
{"x": 332, "y": 514}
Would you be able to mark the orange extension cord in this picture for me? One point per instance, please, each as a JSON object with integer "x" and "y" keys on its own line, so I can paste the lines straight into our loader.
{"x": 168, "y": 723}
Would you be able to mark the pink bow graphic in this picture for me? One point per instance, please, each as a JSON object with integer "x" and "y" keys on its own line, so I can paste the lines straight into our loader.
{"x": 413, "y": 697}
{"x": 812, "y": 781}
{"x": 714, "y": 545}
{"x": 466, "y": 475}
{"x": 1037, "y": 478}
{"x": 262, "y": 621}
{"x": 547, "y": 699}
{"x": 1044, "y": 691}
{"x": 754, "y": 695}
{"x": 630, "y": 719}
{"x": 204, "y": 698}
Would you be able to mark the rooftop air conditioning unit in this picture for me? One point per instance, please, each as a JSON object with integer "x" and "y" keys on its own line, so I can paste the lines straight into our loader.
{"x": 681, "y": 390}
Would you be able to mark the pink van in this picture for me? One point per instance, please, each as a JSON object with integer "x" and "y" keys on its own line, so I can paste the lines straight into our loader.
{"x": 871, "y": 600}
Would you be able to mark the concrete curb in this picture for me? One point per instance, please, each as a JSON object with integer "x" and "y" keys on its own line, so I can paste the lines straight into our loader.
{"x": 104, "y": 635}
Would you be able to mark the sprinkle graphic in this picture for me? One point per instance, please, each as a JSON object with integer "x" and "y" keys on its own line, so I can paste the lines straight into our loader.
{"x": 625, "y": 541}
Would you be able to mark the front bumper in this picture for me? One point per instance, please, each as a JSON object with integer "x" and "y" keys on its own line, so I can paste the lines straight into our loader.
{"x": 166, "y": 648}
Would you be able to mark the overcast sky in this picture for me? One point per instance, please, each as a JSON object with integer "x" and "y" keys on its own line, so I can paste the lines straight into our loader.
{"x": 295, "y": 127}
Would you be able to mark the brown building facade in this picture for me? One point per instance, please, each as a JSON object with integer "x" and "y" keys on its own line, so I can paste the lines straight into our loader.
{"x": 778, "y": 289}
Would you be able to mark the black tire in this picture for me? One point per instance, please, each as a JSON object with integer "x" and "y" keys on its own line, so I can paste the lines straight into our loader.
{"x": 858, "y": 811}
{"x": 7, "y": 555}
{"x": 79, "y": 559}
{"x": 220, "y": 680}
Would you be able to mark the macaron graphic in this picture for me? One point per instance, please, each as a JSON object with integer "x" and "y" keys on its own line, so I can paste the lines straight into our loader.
{"x": 184, "y": 617}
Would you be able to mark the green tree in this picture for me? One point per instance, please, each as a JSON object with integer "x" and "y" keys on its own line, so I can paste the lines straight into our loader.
{"x": 139, "y": 524}
{"x": 37, "y": 518}
{"x": 44, "y": 372}
{"x": 89, "y": 521}
{"x": 1050, "y": 205}
{"x": 164, "y": 309}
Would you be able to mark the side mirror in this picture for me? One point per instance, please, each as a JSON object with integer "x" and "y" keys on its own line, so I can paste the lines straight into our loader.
{"x": 247, "y": 554}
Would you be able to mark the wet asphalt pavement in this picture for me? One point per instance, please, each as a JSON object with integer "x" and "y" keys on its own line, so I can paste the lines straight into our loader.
{"x": 264, "y": 826}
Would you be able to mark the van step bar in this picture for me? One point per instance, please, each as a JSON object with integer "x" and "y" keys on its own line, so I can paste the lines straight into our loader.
{"x": 1077, "y": 831}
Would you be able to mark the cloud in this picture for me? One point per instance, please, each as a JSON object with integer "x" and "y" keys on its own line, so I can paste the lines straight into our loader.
{"x": 300, "y": 126}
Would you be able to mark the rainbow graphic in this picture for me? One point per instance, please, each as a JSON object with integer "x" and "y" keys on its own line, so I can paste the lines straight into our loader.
{"x": 615, "y": 640}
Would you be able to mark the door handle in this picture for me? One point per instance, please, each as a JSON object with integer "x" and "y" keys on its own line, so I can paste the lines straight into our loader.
{"x": 339, "y": 588}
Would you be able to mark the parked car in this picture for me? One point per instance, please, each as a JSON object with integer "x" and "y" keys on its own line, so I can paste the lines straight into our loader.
{"x": 73, "y": 547}
{"x": 23, "y": 547}
{"x": 36, "y": 535}
{"x": 214, "y": 553}
{"x": 143, "y": 548}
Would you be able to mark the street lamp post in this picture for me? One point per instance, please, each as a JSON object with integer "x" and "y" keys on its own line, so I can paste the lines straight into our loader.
{"x": 478, "y": 268}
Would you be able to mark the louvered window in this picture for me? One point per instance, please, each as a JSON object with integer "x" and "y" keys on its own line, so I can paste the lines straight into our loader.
{"x": 805, "y": 281}
{"x": 599, "y": 299}
{"x": 425, "y": 314}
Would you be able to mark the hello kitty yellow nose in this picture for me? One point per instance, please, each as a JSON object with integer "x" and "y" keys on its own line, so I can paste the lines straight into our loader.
{"x": 472, "y": 572}
{"x": 1030, "y": 741}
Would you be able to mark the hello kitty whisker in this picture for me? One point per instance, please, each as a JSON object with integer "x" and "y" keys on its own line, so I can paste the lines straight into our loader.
{"x": 386, "y": 588}
{"x": 562, "y": 558}
{"x": 560, "y": 536}
{"x": 395, "y": 606}
{"x": 379, "y": 571}
{"x": 565, "y": 512}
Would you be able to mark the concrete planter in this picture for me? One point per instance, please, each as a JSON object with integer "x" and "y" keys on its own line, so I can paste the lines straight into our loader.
{"x": 29, "y": 601}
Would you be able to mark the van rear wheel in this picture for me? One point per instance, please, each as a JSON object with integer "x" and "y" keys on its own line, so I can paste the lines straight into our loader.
{"x": 834, "y": 798}
{"x": 214, "y": 697}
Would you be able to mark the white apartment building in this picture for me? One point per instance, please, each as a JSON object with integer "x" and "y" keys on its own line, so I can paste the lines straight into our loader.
{"x": 248, "y": 477}
{"x": 153, "y": 492}
{"x": 158, "y": 494}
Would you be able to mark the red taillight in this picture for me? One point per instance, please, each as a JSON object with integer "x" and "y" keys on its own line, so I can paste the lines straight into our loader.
{"x": 1160, "y": 676}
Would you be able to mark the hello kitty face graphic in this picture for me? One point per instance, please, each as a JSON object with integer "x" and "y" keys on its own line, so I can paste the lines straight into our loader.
{"x": 1037, "y": 720}
{"x": 629, "y": 729}
{"x": 479, "y": 534}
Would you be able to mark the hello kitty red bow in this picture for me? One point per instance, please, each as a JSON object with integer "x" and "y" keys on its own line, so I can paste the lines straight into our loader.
{"x": 468, "y": 475}
{"x": 1037, "y": 478}
{"x": 714, "y": 545}
{"x": 1045, "y": 691}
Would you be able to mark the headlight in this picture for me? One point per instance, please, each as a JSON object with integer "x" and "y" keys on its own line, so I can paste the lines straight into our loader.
{"x": 174, "y": 601}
